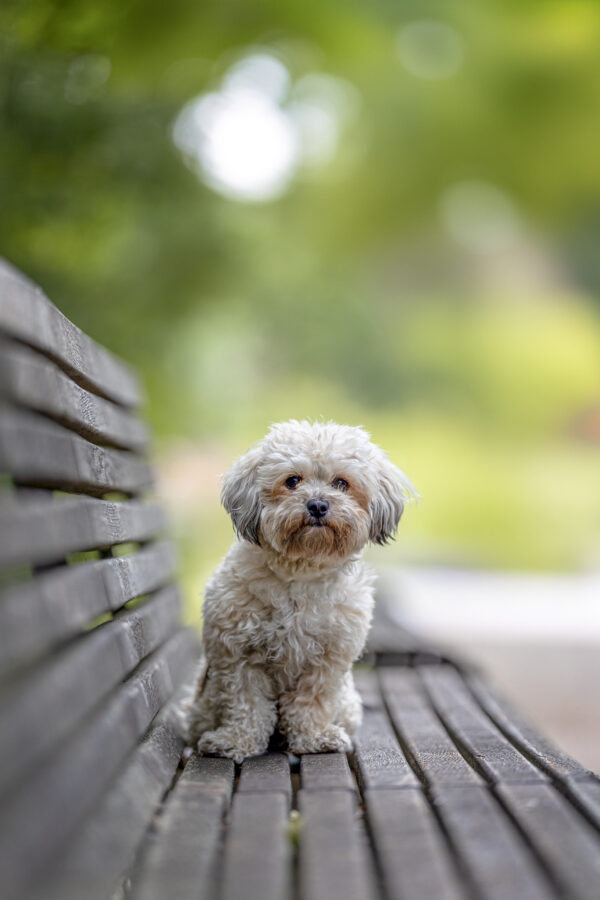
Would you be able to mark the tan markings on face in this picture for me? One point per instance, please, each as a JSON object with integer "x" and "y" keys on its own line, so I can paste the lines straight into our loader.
{"x": 334, "y": 539}
{"x": 279, "y": 490}
{"x": 361, "y": 497}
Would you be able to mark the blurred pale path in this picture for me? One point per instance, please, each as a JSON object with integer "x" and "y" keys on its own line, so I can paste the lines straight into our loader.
{"x": 536, "y": 636}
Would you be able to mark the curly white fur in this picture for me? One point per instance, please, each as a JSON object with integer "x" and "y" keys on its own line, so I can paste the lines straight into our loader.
{"x": 288, "y": 610}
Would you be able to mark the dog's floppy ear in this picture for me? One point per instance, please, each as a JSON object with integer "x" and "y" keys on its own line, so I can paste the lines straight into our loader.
{"x": 240, "y": 494}
{"x": 393, "y": 491}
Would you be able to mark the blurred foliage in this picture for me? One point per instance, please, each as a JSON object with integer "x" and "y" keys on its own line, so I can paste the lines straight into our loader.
{"x": 347, "y": 297}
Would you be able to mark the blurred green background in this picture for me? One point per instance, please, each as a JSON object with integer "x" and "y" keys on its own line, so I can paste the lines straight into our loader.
{"x": 381, "y": 213}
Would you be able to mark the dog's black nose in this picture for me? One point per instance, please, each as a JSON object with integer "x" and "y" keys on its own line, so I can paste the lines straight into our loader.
{"x": 317, "y": 508}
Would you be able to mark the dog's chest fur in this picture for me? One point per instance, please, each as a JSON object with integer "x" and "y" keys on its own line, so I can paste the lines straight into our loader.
{"x": 304, "y": 624}
{"x": 291, "y": 624}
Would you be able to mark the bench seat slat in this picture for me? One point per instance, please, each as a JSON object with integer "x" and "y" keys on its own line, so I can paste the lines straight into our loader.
{"x": 257, "y": 849}
{"x": 40, "y": 710}
{"x": 569, "y": 845}
{"x": 326, "y": 772}
{"x": 270, "y": 773}
{"x": 422, "y": 733}
{"x": 28, "y": 315}
{"x": 498, "y": 862}
{"x": 410, "y": 848}
{"x": 37, "y": 615}
{"x": 180, "y": 854}
{"x": 469, "y": 725}
{"x": 333, "y": 854}
{"x": 524, "y": 735}
{"x": 40, "y": 532}
{"x": 38, "y": 821}
{"x": 35, "y": 451}
{"x": 30, "y": 380}
{"x": 586, "y": 794}
{"x": 379, "y": 758}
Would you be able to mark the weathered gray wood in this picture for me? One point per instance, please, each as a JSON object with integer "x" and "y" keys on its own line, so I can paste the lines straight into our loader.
{"x": 37, "y": 615}
{"x": 333, "y": 855}
{"x": 569, "y": 846}
{"x": 485, "y": 746}
{"x": 45, "y": 532}
{"x": 325, "y": 772}
{"x": 104, "y": 847}
{"x": 37, "y": 820}
{"x": 38, "y": 711}
{"x": 379, "y": 758}
{"x": 257, "y": 849}
{"x": 586, "y": 795}
{"x": 424, "y": 739}
{"x": 496, "y": 860}
{"x": 522, "y": 734}
{"x": 180, "y": 854}
{"x": 30, "y": 380}
{"x": 27, "y": 315}
{"x": 269, "y": 773}
{"x": 412, "y": 854}
{"x": 35, "y": 451}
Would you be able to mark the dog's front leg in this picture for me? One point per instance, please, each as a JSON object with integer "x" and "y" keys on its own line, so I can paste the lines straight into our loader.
{"x": 307, "y": 713}
{"x": 242, "y": 696}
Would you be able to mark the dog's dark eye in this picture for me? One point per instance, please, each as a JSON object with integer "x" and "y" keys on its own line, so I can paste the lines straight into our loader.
{"x": 292, "y": 482}
{"x": 340, "y": 483}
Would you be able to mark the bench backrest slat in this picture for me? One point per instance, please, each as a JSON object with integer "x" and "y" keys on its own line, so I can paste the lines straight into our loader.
{"x": 40, "y": 453}
{"x": 92, "y": 648}
{"x": 31, "y": 721}
{"x": 37, "y": 820}
{"x": 36, "y": 616}
{"x": 28, "y": 379}
{"x": 44, "y": 532}
{"x": 27, "y": 315}
{"x": 105, "y": 845}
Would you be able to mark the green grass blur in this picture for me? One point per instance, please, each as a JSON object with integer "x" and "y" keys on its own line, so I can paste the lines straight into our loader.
{"x": 433, "y": 275}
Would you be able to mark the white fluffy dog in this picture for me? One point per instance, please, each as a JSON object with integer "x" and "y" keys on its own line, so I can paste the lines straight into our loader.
{"x": 288, "y": 610}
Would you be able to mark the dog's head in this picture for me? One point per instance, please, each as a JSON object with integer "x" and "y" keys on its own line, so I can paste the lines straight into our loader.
{"x": 315, "y": 491}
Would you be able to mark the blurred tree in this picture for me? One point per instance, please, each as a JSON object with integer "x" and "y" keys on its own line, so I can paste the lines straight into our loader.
{"x": 98, "y": 207}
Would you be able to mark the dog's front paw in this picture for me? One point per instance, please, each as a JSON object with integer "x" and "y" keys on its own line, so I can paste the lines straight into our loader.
{"x": 233, "y": 745}
{"x": 333, "y": 738}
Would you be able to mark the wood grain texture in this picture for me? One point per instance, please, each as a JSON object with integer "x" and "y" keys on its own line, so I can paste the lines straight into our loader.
{"x": 498, "y": 863}
{"x": 37, "y": 452}
{"x": 269, "y": 773}
{"x": 424, "y": 738}
{"x": 334, "y": 859}
{"x": 326, "y": 772}
{"x": 45, "y": 532}
{"x": 523, "y": 735}
{"x": 38, "y": 820}
{"x": 412, "y": 855}
{"x": 257, "y": 849}
{"x": 569, "y": 846}
{"x": 481, "y": 741}
{"x": 42, "y": 707}
{"x": 104, "y": 847}
{"x": 180, "y": 854}
{"x": 27, "y": 315}
{"x": 37, "y": 615}
{"x": 586, "y": 794}
{"x": 31, "y": 381}
{"x": 379, "y": 759}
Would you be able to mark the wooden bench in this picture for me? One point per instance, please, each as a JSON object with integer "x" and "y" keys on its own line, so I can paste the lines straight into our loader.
{"x": 448, "y": 794}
